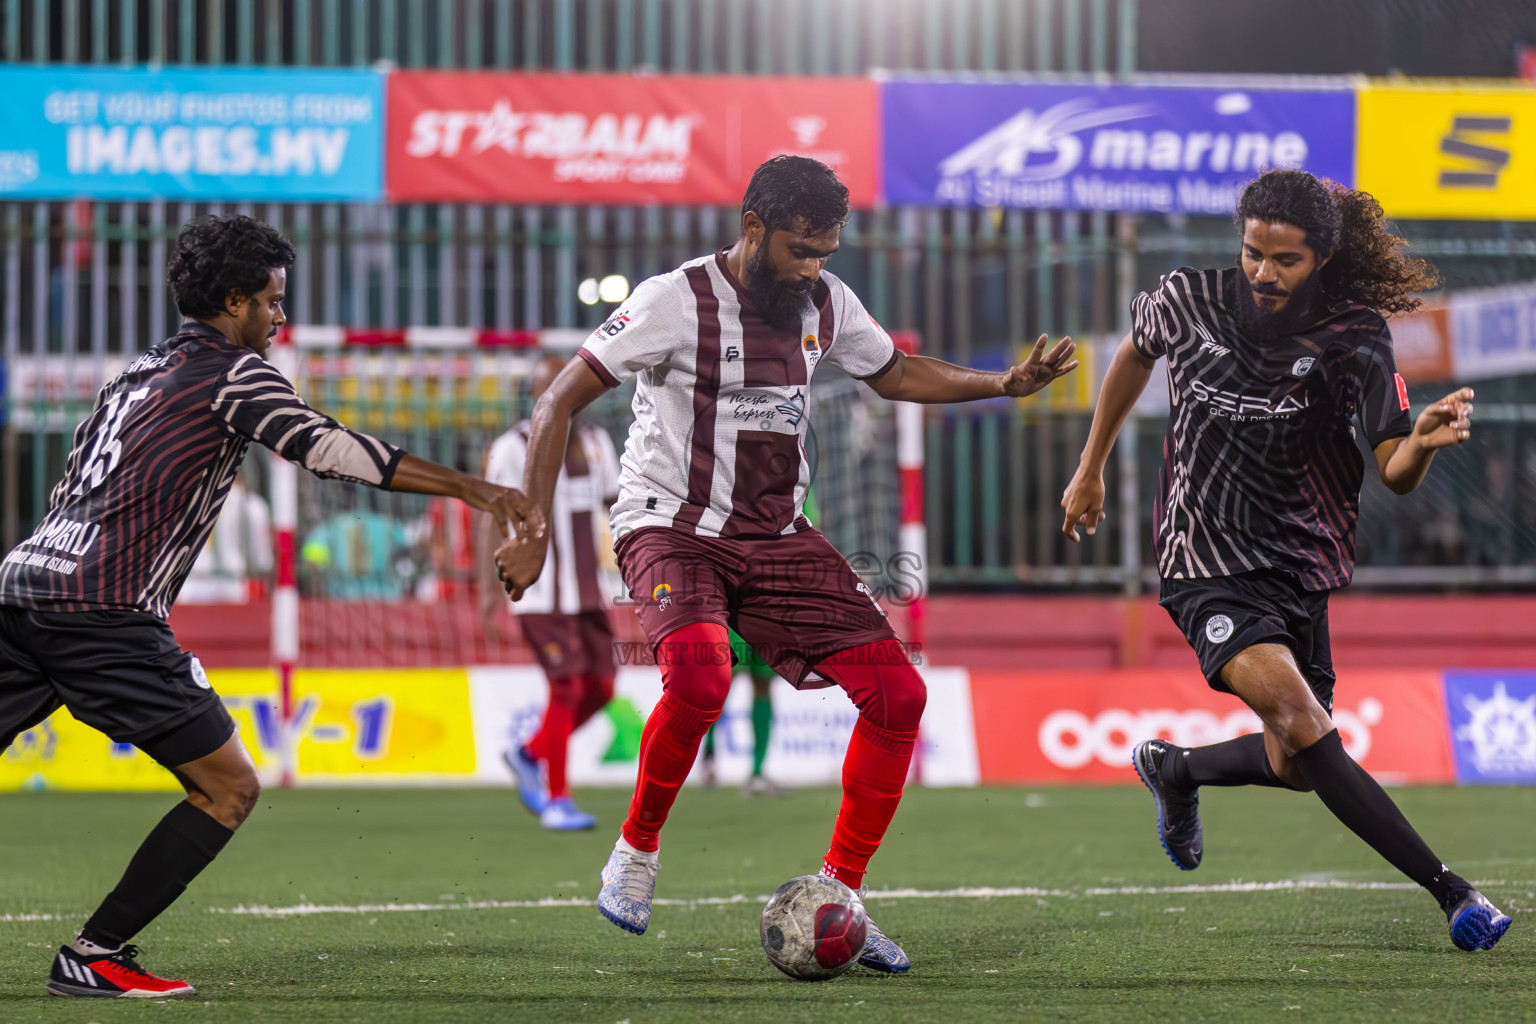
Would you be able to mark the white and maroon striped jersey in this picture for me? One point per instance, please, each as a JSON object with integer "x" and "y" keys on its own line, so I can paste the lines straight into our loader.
{"x": 572, "y": 580}
{"x": 719, "y": 442}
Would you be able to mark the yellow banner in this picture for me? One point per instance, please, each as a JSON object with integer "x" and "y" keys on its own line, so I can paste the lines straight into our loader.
{"x": 353, "y": 726}
{"x": 1453, "y": 150}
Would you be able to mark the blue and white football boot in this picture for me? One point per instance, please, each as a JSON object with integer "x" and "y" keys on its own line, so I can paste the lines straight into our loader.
{"x": 529, "y": 775}
{"x": 880, "y": 953}
{"x": 561, "y": 815}
{"x": 1476, "y": 923}
{"x": 629, "y": 885}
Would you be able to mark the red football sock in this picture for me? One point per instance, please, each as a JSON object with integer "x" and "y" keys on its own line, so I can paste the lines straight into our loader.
{"x": 890, "y": 696}
{"x": 596, "y": 692}
{"x": 561, "y": 692}
{"x": 695, "y": 684}
{"x": 558, "y": 718}
{"x": 874, "y": 771}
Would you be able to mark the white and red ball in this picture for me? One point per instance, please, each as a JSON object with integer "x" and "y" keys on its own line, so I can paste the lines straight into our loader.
{"x": 814, "y": 928}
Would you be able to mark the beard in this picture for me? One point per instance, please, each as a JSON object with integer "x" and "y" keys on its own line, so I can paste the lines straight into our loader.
{"x": 1300, "y": 308}
{"x": 783, "y": 305}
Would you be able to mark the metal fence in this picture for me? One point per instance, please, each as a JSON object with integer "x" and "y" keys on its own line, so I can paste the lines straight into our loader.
{"x": 81, "y": 283}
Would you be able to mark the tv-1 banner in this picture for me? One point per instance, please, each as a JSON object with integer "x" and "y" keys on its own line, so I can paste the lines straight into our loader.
{"x": 675, "y": 139}
{"x": 268, "y": 134}
{"x": 1127, "y": 148}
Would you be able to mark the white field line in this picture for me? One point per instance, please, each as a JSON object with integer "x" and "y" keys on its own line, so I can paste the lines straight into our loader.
{"x": 980, "y": 892}
{"x": 963, "y": 893}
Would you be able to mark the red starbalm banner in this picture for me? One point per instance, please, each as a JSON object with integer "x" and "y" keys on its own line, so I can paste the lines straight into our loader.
{"x": 674, "y": 139}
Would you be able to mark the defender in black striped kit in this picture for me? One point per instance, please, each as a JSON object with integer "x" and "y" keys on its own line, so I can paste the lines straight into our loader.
{"x": 83, "y": 600}
{"x": 1269, "y": 364}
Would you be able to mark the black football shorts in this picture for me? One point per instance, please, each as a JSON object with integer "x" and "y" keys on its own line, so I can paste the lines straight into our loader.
{"x": 1224, "y": 615}
{"x": 121, "y": 672}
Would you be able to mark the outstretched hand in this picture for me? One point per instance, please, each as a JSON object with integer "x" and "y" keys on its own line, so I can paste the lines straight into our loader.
{"x": 1445, "y": 423}
{"x": 1040, "y": 368}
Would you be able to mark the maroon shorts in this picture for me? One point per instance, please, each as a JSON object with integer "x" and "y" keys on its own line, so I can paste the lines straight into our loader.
{"x": 792, "y": 597}
{"x": 571, "y": 645}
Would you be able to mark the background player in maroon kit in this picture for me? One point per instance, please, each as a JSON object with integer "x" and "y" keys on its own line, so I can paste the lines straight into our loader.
{"x": 564, "y": 616}
{"x": 1268, "y": 364}
{"x": 708, "y": 520}
{"x": 83, "y": 600}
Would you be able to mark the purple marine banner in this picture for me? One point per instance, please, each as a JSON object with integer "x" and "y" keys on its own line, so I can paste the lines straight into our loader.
{"x": 1127, "y": 148}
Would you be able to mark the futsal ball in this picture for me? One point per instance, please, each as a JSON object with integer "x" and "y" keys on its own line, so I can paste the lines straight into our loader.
{"x": 814, "y": 928}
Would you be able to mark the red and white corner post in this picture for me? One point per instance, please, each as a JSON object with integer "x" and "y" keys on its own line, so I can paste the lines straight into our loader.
{"x": 285, "y": 565}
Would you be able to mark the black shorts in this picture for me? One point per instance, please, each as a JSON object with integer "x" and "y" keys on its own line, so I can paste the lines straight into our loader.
{"x": 1224, "y": 615}
{"x": 121, "y": 672}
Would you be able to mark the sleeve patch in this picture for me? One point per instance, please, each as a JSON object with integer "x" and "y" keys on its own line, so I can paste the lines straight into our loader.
{"x": 1402, "y": 391}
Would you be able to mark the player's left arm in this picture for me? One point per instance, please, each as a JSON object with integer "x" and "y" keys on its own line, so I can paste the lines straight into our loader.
{"x": 1404, "y": 461}
{"x": 928, "y": 380}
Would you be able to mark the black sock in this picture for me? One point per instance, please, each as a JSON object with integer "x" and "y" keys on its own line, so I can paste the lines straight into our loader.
{"x": 1359, "y": 802}
{"x": 169, "y": 858}
{"x": 1237, "y": 762}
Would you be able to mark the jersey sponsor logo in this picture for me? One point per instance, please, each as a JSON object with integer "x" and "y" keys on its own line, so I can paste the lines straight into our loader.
{"x": 1218, "y": 629}
{"x": 732, "y": 353}
{"x": 1249, "y": 407}
{"x": 793, "y": 408}
{"x": 1402, "y": 391}
{"x": 1302, "y": 365}
{"x": 614, "y": 325}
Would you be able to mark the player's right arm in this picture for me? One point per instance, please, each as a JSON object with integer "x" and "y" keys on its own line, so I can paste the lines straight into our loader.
{"x": 642, "y": 334}
{"x": 1127, "y": 378}
{"x": 254, "y": 400}
{"x": 521, "y": 559}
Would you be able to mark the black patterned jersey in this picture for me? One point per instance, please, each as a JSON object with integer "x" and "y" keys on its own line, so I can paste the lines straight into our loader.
{"x": 151, "y": 466}
{"x": 1261, "y": 469}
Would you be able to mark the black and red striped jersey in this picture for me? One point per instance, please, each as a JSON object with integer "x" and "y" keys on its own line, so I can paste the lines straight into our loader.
{"x": 1261, "y": 469}
{"x": 151, "y": 466}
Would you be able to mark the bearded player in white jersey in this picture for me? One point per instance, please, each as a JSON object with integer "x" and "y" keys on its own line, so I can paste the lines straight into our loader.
{"x": 709, "y": 524}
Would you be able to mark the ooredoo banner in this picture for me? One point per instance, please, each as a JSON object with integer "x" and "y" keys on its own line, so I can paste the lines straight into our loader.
{"x": 1131, "y": 148}
{"x": 675, "y": 139}
{"x": 1082, "y": 726}
{"x": 261, "y": 134}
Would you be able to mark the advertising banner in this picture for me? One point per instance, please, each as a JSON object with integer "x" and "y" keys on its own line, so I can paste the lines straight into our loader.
{"x": 1449, "y": 149}
{"x": 1494, "y": 330}
{"x": 810, "y": 729}
{"x": 372, "y": 726}
{"x": 677, "y": 139}
{"x": 190, "y": 134}
{"x": 1052, "y": 727}
{"x": 1493, "y": 725}
{"x": 1421, "y": 345}
{"x": 1135, "y": 149}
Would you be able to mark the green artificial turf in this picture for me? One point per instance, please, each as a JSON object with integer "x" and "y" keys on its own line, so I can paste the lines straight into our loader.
{"x": 1081, "y": 955}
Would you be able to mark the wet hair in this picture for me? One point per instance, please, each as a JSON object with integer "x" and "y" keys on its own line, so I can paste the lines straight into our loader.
{"x": 215, "y": 256}
{"x": 786, "y": 189}
{"x": 1370, "y": 264}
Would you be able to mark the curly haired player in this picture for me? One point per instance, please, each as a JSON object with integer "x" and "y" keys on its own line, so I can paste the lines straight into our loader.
{"x": 83, "y": 600}
{"x": 1268, "y": 364}
{"x": 709, "y": 524}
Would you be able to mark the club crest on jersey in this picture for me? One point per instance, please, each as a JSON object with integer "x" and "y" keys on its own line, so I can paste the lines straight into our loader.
{"x": 1218, "y": 628}
{"x": 1302, "y": 366}
{"x": 662, "y": 595}
{"x": 793, "y": 408}
{"x": 812, "y": 347}
{"x": 554, "y": 653}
